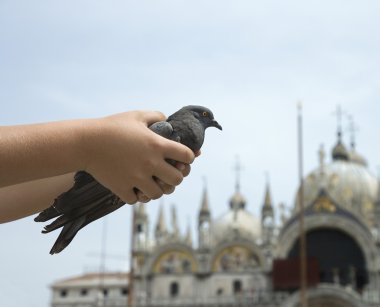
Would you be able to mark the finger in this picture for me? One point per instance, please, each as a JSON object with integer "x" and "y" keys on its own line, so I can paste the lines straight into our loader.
{"x": 166, "y": 188}
{"x": 151, "y": 189}
{"x": 178, "y": 152}
{"x": 187, "y": 170}
{"x": 151, "y": 117}
{"x": 168, "y": 174}
{"x": 142, "y": 197}
{"x": 180, "y": 166}
{"x": 129, "y": 197}
{"x": 183, "y": 168}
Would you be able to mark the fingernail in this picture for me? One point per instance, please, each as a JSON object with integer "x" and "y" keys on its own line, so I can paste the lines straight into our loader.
{"x": 181, "y": 166}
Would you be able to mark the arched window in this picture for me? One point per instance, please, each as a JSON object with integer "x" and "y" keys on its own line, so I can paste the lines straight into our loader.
{"x": 237, "y": 286}
{"x": 83, "y": 292}
{"x": 139, "y": 228}
{"x": 340, "y": 258}
{"x": 174, "y": 289}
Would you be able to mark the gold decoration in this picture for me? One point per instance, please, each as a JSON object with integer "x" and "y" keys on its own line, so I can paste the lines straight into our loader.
{"x": 175, "y": 262}
{"x": 368, "y": 206}
{"x": 235, "y": 259}
{"x": 333, "y": 180}
{"x": 324, "y": 203}
{"x": 347, "y": 193}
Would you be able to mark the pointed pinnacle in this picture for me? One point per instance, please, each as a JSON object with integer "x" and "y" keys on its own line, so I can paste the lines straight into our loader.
{"x": 268, "y": 198}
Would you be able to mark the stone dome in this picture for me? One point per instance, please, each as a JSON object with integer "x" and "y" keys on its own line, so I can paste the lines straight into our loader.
{"x": 237, "y": 200}
{"x": 349, "y": 183}
{"x": 235, "y": 221}
{"x": 355, "y": 157}
{"x": 339, "y": 152}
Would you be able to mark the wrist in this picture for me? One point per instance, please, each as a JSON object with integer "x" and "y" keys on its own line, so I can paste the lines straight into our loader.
{"x": 88, "y": 142}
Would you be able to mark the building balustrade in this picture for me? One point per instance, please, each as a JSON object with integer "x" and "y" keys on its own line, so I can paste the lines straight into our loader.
{"x": 243, "y": 299}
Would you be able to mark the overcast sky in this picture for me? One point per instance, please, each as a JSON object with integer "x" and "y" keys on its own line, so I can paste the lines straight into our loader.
{"x": 249, "y": 61}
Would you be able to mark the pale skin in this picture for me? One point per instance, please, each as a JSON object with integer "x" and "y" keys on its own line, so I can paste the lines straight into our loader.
{"x": 38, "y": 162}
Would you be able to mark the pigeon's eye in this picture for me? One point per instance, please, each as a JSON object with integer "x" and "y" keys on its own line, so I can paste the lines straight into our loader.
{"x": 205, "y": 114}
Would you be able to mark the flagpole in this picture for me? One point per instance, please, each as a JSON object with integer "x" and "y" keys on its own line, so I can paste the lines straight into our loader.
{"x": 303, "y": 255}
{"x": 131, "y": 266}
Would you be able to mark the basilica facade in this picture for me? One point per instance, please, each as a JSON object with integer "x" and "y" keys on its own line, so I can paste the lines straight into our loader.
{"x": 243, "y": 260}
{"x": 239, "y": 259}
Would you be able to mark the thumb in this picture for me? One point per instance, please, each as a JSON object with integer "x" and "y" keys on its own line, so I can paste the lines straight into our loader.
{"x": 151, "y": 117}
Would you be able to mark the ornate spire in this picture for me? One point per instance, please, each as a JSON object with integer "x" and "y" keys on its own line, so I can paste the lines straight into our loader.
{"x": 175, "y": 227}
{"x": 237, "y": 200}
{"x": 204, "y": 220}
{"x": 205, "y": 206}
{"x": 238, "y": 171}
{"x": 161, "y": 226}
{"x": 204, "y": 212}
{"x": 339, "y": 115}
{"x": 267, "y": 208}
{"x": 353, "y": 129}
{"x": 267, "y": 216}
{"x": 354, "y": 156}
{"x": 268, "y": 198}
{"x": 339, "y": 151}
{"x": 322, "y": 155}
{"x": 188, "y": 236}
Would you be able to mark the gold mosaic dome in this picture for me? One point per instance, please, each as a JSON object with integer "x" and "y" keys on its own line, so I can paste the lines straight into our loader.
{"x": 347, "y": 180}
{"x": 355, "y": 157}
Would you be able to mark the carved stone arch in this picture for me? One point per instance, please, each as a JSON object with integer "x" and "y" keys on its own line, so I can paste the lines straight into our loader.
{"x": 353, "y": 230}
{"x": 326, "y": 296}
{"x": 180, "y": 258}
{"x": 236, "y": 255}
{"x": 362, "y": 238}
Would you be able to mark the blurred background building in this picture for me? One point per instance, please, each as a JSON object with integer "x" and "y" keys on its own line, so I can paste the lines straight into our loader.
{"x": 240, "y": 259}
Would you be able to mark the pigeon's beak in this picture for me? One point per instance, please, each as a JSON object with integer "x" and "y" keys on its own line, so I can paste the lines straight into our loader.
{"x": 215, "y": 124}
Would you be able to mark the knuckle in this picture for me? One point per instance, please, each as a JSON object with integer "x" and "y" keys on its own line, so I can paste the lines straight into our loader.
{"x": 157, "y": 144}
{"x": 188, "y": 156}
{"x": 162, "y": 184}
{"x": 143, "y": 198}
{"x": 130, "y": 198}
{"x": 156, "y": 194}
{"x": 169, "y": 189}
{"x": 186, "y": 171}
{"x": 178, "y": 179}
{"x": 149, "y": 164}
{"x": 159, "y": 182}
{"x": 147, "y": 169}
{"x": 160, "y": 114}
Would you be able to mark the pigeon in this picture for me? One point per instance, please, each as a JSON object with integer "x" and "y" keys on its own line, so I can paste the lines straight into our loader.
{"x": 88, "y": 200}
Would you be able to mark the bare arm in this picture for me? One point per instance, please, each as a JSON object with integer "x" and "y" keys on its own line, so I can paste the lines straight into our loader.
{"x": 119, "y": 151}
{"x": 23, "y": 199}
{"x": 30, "y": 152}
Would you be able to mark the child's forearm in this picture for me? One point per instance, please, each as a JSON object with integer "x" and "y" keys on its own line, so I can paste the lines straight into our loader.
{"x": 120, "y": 151}
{"x": 30, "y": 152}
{"x": 23, "y": 199}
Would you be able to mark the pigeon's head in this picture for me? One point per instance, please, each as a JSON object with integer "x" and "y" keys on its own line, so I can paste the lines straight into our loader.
{"x": 204, "y": 115}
